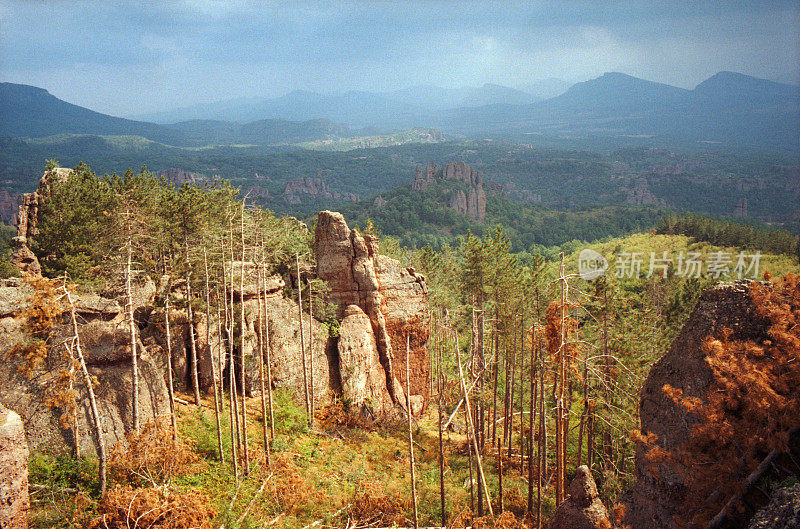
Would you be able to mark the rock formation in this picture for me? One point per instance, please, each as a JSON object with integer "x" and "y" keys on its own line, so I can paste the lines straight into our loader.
{"x": 9, "y": 207}
{"x": 40, "y": 393}
{"x": 316, "y": 188}
{"x": 394, "y": 300}
{"x": 179, "y": 176}
{"x": 424, "y": 178}
{"x": 21, "y": 255}
{"x": 583, "y": 508}
{"x": 14, "y": 500}
{"x": 737, "y": 331}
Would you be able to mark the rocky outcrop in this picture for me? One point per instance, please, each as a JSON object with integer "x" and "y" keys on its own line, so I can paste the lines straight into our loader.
{"x": 472, "y": 202}
{"x": 9, "y": 207}
{"x": 41, "y": 393}
{"x": 731, "y": 362}
{"x": 392, "y": 297}
{"x": 14, "y": 500}
{"x": 179, "y": 176}
{"x": 315, "y": 188}
{"x": 425, "y": 177}
{"x": 21, "y": 255}
{"x": 583, "y": 508}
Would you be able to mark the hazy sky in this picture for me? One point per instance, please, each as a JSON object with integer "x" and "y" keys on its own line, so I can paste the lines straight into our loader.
{"x": 132, "y": 57}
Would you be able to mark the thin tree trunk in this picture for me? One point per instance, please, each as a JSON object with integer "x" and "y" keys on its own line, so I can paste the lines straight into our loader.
{"x": 531, "y": 415}
{"x": 475, "y": 358}
{"x": 496, "y": 369}
{"x": 260, "y": 321}
{"x": 302, "y": 338}
{"x": 234, "y": 414}
{"x": 439, "y": 389}
{"x": 173, "y": 420}
{"x": 470, "y": 427}
{"x": 242, "y": 375}
{"x": 192, "y": 341}
{"x": 311, "y": 353}
{"x": 101, "y": 443}
{"x": 500, "y": 475}
{"x": 542, "y": 444}
{"x": 560, "y": 441}
{"x": 132, "y": 328}
{"x": 512, "y": 357}
{"x": 522, "y": 393}
{"x": 269, "y": 363}
{"x": 211, "y": 357}
{"x": 410, "y": 434}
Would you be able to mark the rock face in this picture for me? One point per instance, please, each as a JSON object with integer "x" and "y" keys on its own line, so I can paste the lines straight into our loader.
{"x": 583, "y": 508}
{"x": 663, "y": 487}
{"x": 394, "y": 300}
{"x": 40, "y": 393}
{"x": 14, "y": 500}
{"x": 473, "y": 202}
{"x": 315, "y": 188}
{"x": 469, "y": 201}
{"x": 362, "y": 375}
{"x": 782, "y": 512}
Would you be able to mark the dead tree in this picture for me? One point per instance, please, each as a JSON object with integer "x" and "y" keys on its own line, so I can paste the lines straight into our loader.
{"x": 211, "y": 357}
{"x": 302, "y": 338}
{"x": 132, "y": 326}
{"x": 410, "y": 434}
{"x": 101, "y": 443}
{"x": 242, "y": 367}
{"x": 173, "y": 421}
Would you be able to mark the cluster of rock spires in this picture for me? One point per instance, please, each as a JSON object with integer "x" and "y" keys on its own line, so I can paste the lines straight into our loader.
{"x": 380, "y": 304}
{"x": 315, "y": 188}
{"x": 471, "y": 203}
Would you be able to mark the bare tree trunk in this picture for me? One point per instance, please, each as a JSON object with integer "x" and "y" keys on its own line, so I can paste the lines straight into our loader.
{"x": 475, "y": 357}
{"x": 512, "y": 358}
{"x": 242, "y": 376}
{"x": 560, "y": 441}
{"x": 439, "y": 389}
{"x": 211, "y": 357}
{"x": 522, "y": 393}
{"x": 101, "y": 443}
{"x": 269, "y": 363}
{"x": 311, "y": 353}
{"x": 234, "y": 414}
{"x": 192, "y": 341}
{"x": 410, "y": 435}
{"x": 500, "y": 474}
{"x": 470, "y": 427}
{"x": 302, "y": 337}
{"x": 531, "y": 415}
{"x": 542, "y": 444}
{"x": 173, "y": 420}
{"x": 132, "y": 328}
{"x": 496, "y": 369}
{"x": 260, "y": 333}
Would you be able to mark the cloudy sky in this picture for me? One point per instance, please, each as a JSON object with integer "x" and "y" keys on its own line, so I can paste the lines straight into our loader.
{"x": 133, "y": 57}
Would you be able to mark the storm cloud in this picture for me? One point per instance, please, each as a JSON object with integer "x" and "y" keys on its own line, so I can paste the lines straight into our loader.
{"x": 133, "y": 57}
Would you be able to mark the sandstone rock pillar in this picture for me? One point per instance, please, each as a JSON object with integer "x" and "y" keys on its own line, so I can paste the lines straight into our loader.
{"x": 14, "y": 501}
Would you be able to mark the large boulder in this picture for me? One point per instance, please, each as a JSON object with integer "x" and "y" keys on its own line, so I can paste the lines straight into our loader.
{"x": 716, "y": 405}
{"x": 392, "y": 297}
{"x": 583, "y": 508}
{"x": 14, "y": 500}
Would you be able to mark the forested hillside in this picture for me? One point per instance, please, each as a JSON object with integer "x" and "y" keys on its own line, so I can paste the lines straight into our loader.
{"x": 268, "y": 392}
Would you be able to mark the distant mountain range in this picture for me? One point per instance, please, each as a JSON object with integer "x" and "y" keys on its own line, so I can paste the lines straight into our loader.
{"x": 729, "y": 109}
